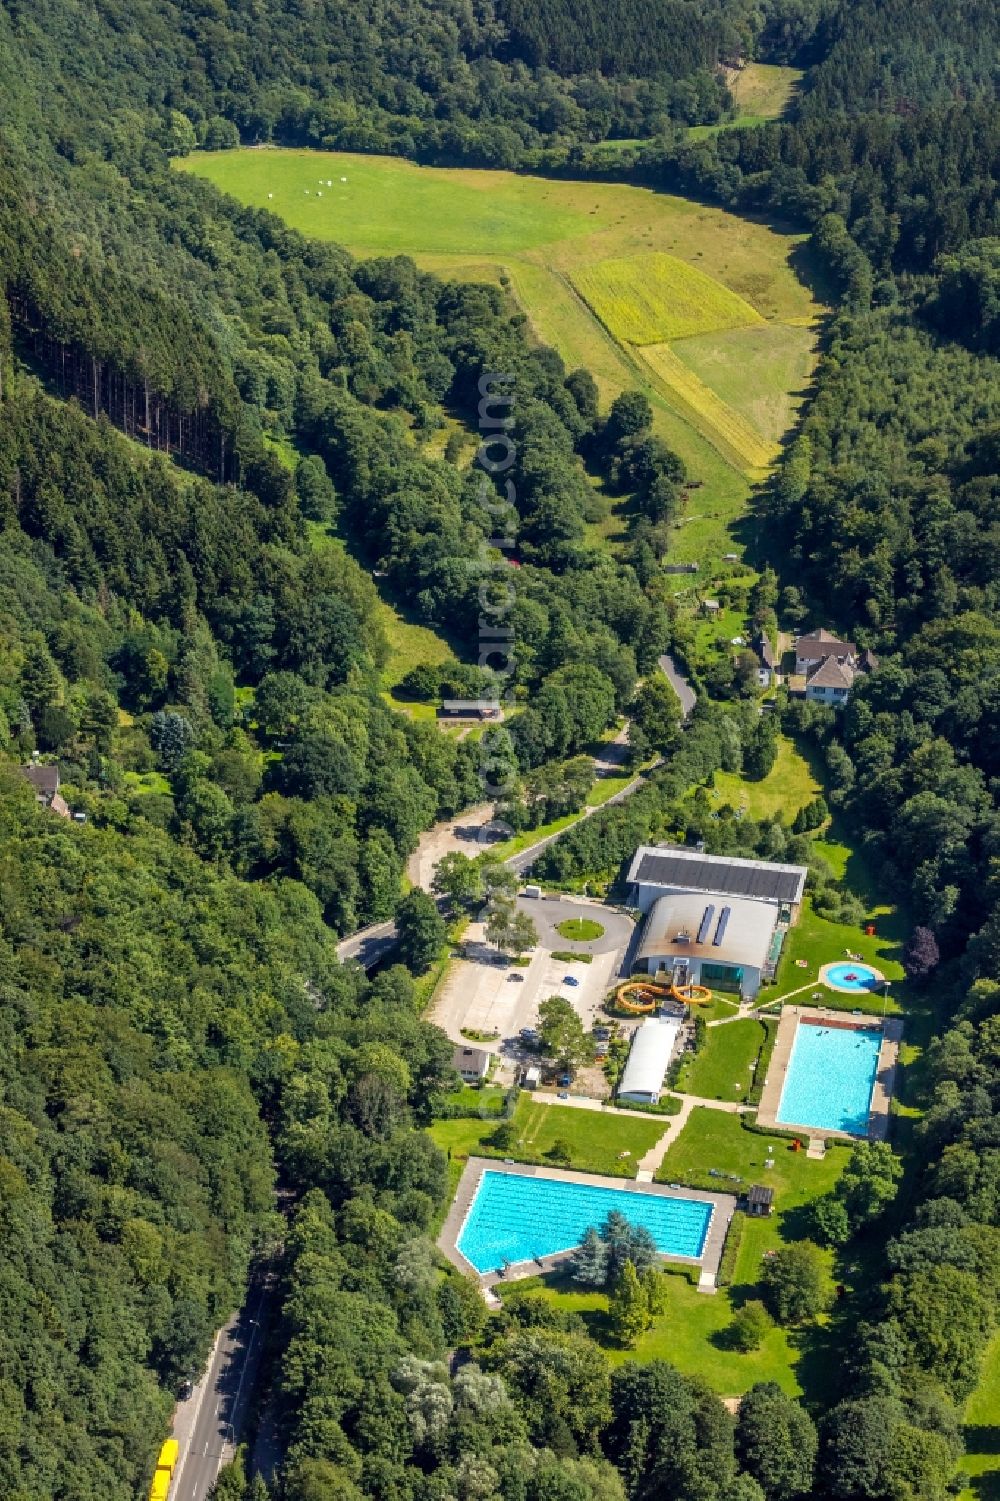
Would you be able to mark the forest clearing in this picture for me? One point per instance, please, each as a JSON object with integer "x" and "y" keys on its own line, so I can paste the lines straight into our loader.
{"x": 600, "y": 269}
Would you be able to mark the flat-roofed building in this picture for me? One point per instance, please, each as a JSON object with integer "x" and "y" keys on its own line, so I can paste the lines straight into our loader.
{"x": 659, "y": 870}
{"x": 722, "y": 942}
{"x": 648, "y": 1060}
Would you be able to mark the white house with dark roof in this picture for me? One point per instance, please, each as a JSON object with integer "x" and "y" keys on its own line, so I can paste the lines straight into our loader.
{"x": 831, "y": 683}
{"x": 472, "y": 1063}
{"x": 764, "y": 653}
{"x": 830, "y": 667}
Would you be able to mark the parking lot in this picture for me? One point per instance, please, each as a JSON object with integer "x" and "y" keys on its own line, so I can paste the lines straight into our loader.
{"x": 487, "y": 994}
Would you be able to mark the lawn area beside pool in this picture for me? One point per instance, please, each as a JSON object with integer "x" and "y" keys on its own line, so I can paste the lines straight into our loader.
{"x": 724, "y": 1067}
{"x": 689, "y": 1334}
{"x": 594, "y": 1138}
{"x": 714, "y": 1139}
{"x": 819, "y": 941}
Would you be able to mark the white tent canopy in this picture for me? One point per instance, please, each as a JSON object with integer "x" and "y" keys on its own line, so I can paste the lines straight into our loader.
{"x": 649, "y": 1059}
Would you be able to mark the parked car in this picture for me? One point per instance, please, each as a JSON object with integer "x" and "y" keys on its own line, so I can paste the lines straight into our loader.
{"x": 516, "y": 976}
{"x": 563, "y": 1094}
{"x": 602, "y": 1033}
{"x": 570, "y": 980}
{"x": 565, "y": 1079}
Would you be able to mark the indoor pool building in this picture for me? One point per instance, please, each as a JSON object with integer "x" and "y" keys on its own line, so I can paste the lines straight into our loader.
{"x": 711, "y": 920}
{"x": 695, "y": 940}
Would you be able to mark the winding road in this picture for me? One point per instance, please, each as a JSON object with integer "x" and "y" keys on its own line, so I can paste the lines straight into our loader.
{"x": 371, "y": 945}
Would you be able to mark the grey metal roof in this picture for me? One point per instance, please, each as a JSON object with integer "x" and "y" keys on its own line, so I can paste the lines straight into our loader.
{"x": 728, "y": 875}
{"x": 688, "y": 926}
{"x": 44, "y": 779}
{"x": 467, "y": 1059}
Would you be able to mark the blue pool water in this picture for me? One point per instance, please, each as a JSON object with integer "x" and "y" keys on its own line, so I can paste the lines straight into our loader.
{"x": 830, "y": 1077}
{"x": 852, "y": 977}
{"x": 513, "y": 1218}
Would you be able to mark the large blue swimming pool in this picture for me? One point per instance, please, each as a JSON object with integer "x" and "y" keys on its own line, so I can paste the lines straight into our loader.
{"x": 514, "y": 1218}
{"x": 830, "y": 1077}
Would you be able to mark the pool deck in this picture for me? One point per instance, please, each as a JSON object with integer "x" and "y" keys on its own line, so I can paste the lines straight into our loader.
{"x": 885, "y": 1071}
{"x": 723, "y": 1206}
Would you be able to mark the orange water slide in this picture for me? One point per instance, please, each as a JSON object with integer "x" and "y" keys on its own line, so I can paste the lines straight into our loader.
{"x": 642, "y": 997}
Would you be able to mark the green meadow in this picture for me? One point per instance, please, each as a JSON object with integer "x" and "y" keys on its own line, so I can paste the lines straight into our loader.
{"x": 553, "y": 245}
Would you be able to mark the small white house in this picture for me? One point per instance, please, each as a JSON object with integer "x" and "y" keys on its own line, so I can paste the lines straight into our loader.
{"x": 472, "y": 1063}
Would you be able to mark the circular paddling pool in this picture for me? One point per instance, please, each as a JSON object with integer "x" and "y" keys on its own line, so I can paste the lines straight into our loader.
{"x": 850, "y": 976}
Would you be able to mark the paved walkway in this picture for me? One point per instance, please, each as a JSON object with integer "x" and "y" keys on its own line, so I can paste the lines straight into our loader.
{"x": 585, "y": 1102}
{"x": 648, "y": 1166}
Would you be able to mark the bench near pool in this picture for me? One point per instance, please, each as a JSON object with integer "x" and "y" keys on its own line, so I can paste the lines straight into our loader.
{"x": 515, "y": 1220}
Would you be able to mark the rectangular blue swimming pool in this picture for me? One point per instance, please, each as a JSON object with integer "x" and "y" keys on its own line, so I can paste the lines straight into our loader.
{"x": 831, "y": 1074}
{"x": 515, "y": 1218}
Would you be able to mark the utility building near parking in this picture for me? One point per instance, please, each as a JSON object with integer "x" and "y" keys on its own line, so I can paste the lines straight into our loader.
{"x": 652, "y": 1049}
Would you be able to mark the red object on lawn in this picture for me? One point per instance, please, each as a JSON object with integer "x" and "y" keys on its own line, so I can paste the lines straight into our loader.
{"x": 870, "y": 929}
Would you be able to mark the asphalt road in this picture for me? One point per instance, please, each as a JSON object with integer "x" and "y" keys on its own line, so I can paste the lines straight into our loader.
{"x": 678, "y": 683}
{"x": 548, "y": 912}
{"x": 209, "y": 1424}
{"x": 371, "y": 945}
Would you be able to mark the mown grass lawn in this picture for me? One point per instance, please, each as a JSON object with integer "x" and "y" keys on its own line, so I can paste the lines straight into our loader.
{"x": 580, "y": 929}
{"x": 490, "y": 1098}
{"x": 818, "y": 941}
{"x": 788, "y": 786}
{"x": 760, "y": 372}
{"x": 981, "y": 1463}
{"x": 689, "y": 1334}
{"x": 724, "y": 1068}
{"x": 596, "y": 1139}
{"x": 715, "y": 1139}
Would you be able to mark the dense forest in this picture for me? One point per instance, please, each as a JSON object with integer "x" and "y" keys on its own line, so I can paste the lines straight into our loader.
{"x": 190, "y": 626}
